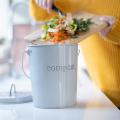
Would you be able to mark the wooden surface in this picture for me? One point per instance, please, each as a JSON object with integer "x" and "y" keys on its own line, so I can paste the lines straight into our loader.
{"x": 94, "y": 28}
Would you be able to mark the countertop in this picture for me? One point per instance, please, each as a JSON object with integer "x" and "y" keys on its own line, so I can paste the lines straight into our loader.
{"x": 92, "y": 104}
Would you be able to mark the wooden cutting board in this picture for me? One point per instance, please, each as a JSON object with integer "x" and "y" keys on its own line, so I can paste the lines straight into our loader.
{"x": 94, "y": 28}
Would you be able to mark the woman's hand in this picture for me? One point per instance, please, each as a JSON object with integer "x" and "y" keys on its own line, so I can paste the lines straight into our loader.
{"x": 46, "y": 4}
{"x": 110, "y": 22}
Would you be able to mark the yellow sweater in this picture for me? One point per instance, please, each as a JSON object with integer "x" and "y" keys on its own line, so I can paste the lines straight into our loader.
{"x": 102, "y": 55}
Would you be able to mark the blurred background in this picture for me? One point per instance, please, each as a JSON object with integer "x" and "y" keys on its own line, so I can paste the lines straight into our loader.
{"x": 15, "y": 23}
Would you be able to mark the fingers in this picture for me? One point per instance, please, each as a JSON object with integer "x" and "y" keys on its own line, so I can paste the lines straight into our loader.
{"x": 105, "y": 31}
{"x": 39, "y": 2}
{"x": 46, "y": 4}
{"x": 49, "y": 5}
{"x": 110, "y": 21}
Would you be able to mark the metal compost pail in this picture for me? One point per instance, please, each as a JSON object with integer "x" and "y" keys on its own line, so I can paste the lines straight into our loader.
{"x": 53, "y": 73}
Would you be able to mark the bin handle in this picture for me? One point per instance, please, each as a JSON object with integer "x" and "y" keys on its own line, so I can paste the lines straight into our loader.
{"x": 78, "y": 51}
{"x": 26, "y": 51}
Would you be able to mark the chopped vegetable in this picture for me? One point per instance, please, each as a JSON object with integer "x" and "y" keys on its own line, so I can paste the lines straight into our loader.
{"x": 60, "y": 29}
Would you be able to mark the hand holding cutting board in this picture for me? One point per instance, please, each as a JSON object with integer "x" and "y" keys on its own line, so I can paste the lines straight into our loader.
{"x": 84, "y": 25}
{"x": 49, "y": 5}
{"x": 69, "y": 28}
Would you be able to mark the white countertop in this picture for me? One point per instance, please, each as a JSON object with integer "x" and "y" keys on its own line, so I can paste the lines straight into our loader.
{"x": 92, "y": 104}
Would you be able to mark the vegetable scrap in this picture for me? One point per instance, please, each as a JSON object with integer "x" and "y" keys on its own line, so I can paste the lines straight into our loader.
{"x": 62, "y": 28}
